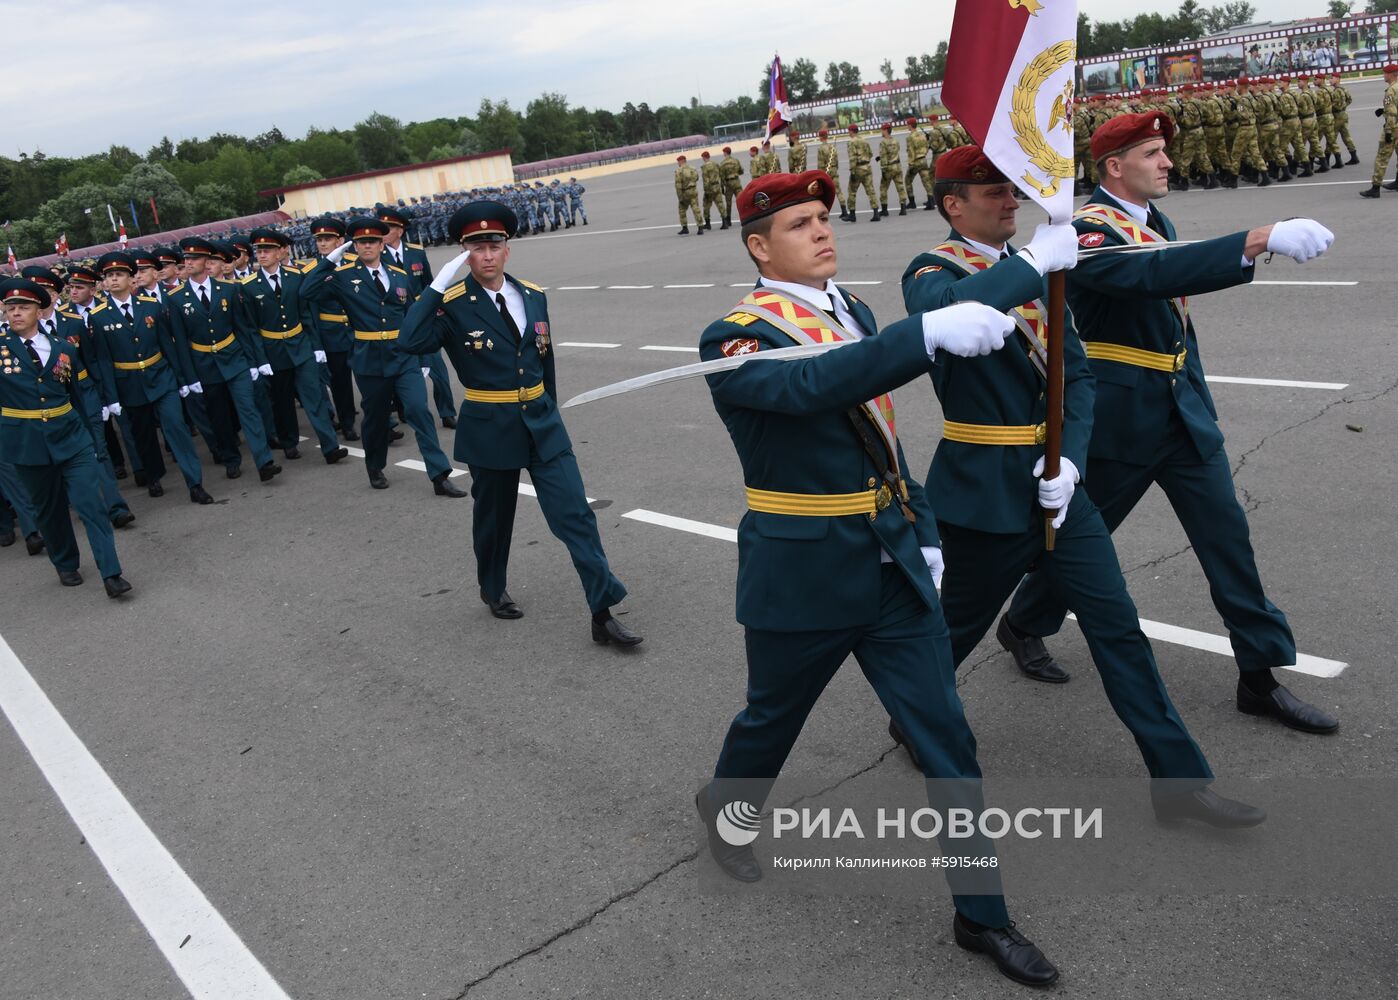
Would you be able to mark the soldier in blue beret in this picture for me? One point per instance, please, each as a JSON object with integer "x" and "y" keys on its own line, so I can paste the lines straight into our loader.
{"x": 495, "y": 329}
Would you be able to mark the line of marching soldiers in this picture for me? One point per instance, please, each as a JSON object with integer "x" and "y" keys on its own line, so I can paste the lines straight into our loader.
{"x": 211, "y": 339}
{"x": 718, "y": 182}
{"x": 1259, "y": 129}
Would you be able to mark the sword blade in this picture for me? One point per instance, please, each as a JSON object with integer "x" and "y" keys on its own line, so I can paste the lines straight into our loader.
{"x": 701, "y": 368}
{"x": 1134, "y": 248}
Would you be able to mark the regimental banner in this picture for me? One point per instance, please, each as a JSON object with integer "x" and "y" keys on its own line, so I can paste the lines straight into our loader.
{"x": 1025, "y": 125}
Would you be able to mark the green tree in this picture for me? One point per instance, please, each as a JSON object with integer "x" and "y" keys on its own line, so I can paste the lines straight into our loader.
{"x": 1339, "y": 10}
{"x": 1229, "y": 15}
{"x": 213, "y": 202}
{"x": 329, "y": 153}
{"x": 301, "y": 174}
{"x": 469, "y": 142}
{"x": 802, "y": 81}
{"x": 145, "y": 181}
{"x": 1383, "y": 6}
{"x": 548, "y": 129}
{"x": 379, "y": 139}
{"x": 886, "y": 70}
{"x": 441, "y": 153}
{"x": 422, "y": 137}
{"x": 69, "y": 213}
{"x": 498, "y": 126}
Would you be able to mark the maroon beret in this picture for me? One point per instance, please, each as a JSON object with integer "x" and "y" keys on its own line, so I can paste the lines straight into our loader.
{"x": 968, "y": 165}
{"x": 1126, "y": 131}
{"x": 771, "y": 193}
{"x": 1391, "y": 68}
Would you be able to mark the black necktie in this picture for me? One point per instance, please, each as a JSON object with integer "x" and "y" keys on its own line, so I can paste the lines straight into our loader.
{"x": 29, "y": 344}
{"x": 505, "y": 315}
{"x": 47, "y": 326}
{"x": 1154, "y": 221}
{"x": 276, "y": 285}
{"x": 126, "y": 311}
{"x": 396, "y": 259}
{"x": 378, "y": 283}
{"x": 204, "y": 296}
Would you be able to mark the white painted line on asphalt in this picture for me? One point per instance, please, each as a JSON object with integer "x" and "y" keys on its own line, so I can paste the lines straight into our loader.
{"x": 578, "y": 288}
{"x": 207, "y": 954}
{"x": 585, "y": 343}
{"x": 526, "y": 490}
{"x": 356, "y": 452}
{"x": 1314, "y": 665}
{"x": 628, "y": 288}
{"x": 662, "y": 347}
{"x": 684, "y": 524}
{"x": 1301, "y": 184}
{"x": 689, "y": 286}
{"x": 417, "y": 466}
{"x": 1328, "y": 284}
{"x": 741, "y": 284}
{"x": 1278, "y": 382}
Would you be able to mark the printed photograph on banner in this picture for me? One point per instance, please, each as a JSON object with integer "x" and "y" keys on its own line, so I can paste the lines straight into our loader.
{"x": 1101, "y": 78}
{"x": 1363, "y": 43}
{"x": 1181, "y": 68}
{"x": 1267, "y": 55}
{"x": 1223, "y": 62}
{"x": 1314, "y": 50}
{"x": 1140, "y": 72}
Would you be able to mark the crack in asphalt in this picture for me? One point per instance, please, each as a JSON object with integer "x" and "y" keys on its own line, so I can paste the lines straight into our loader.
{"x": 1250, "y": 504}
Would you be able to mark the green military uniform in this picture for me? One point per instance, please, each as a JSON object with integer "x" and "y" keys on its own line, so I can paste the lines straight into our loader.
{"x": 828, "y": 159}
{"x": 770, "y": 163}
{"x": 860, "y": 173}
{"x": 1309, "y": 149}
{"x": 757, "y": 166}
{"x": 732, "y": 172}
{"x": 1387, "y": 136}
{"x": 795, "y": 154}
{"x": 1245, "y": 147}
{"x": 1325, "y": 125}
{"x": 917, "y": 164}
{"x": 1086, "y": 170}
{"x": 1193, "y": 149}
{"x": 988, "y": 514}
{"x": 712, "y": 177}
{"x": 1340, "y": 100}
{"x": 687, "y": 192}
{"x": 1211, "y": 117}
{"x": 1269, "y": 131}
{"x": 891, "y": 172}
{"x": 1290, "y": 142}
{"x": 936, "y": 146}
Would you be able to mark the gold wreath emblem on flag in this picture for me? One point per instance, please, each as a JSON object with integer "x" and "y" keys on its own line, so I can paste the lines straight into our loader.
{"x": 1024, "y": 117}
{"x": 1033, "y": 6}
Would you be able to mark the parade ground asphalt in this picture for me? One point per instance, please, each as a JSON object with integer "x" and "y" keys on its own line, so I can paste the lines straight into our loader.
{"x": 319, "y": 769}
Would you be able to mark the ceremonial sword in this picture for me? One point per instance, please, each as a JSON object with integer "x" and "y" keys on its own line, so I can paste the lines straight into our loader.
{"x": 791, "y": 353}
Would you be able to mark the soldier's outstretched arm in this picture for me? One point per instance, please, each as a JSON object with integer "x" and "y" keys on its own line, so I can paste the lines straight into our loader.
{"x": 928, "y": 285}
{"x": 1193, "y": 270}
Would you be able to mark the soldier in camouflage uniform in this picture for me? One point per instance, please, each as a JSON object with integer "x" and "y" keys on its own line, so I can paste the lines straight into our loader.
{"x": 1082, "y": 148}
{"x": 1325, "y": 124}
{"x": 732, "y": 172}
{"x": 1211, "y": 114}
{"x": 891, "y": 172}
{"x": 795, "y": 152}
{"x": 559, "y": 196}
{"x": 1245, "y": 149}
{"x": 1309, "y": 147}
{"x": 860, "y": 159}
{"x": 770, "y": 163}
{"x": 917, "y": 165}
{"x": 712, "y": 179}
{"x": 936, "y": 146}
{"x": 1292, "y": 148}
{"x": 1389, "y": 114}
{"x": 575, "y": 205}
{"x": 828, "y": 159}
{"x": 1340, "y": 100}
{"x": 1269, "y": 129}
{"x": 687, "y": 191}
{"x": 757, "y": 166}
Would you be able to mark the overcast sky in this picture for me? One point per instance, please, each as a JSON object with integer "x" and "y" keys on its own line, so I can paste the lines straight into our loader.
{"x": 85, "y": 75}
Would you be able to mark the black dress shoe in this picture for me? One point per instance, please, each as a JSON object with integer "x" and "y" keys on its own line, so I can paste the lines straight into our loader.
{"x": 377, "y": 479}
{"x": 155, "y": 489}
{"x": 266, "y": 472}
{"x": 116, "y": 586}
{"x": 232, "y": 471}
{"x": 7, "y": 538}
{"x": 1030, "y": 654}
{"x": 34, "y": 543}
{"x": 331, "y": 457}
{"x": 292, "y": 453}
{"x": 449, "y": 422}
{"x": 611, "y": 630}
{"x": 139, "y": 477}
{"x": 119, "y": 471}
{"x": 1372, "y": 192}
{"x": 1014, "y": 955}
{"x": 351, "y": 435}
{"x": 902, "y": 741}
{"x": 199, "y": 495}
{"x": 123, "y": 518}
{"x": 70, "y": 578}
{"x": 735, "y": 862}
{"x": 1287, "y": 709}
{"x": 1207, "y": 806}
{"x": 394, "y": 434}
{"x": 444, "y": 487}
{"x": 504, "y": 607}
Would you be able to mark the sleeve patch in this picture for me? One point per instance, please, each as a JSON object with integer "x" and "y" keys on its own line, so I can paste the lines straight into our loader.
{"x": 1090, "y": 240}
{"x": 926, "y": 270}
{"x": 732, "y": 348}
{"x": 741, "y": 319}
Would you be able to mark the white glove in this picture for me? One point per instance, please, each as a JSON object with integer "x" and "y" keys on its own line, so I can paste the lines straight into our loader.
{"x": 265, "y": 370}
{"x": 197, "y": 388}
{"x": 966, "y": 329}
{"x": 1053, "y": 248}
{"x": 184, "y": 391}
{"x": 334, "y": 256}
{"x": 426, "y": 372}
{"x": 1300, "y": 239}
{"x": 1057, "y": 494}
{"x": 933, "y": 557}
{"x": 115, "y": 408}
{"x": 106, "y": 414}
{"x": 253, "y": 372}
{"x": 320, "y": 357}
{"x": 447, "y": 275}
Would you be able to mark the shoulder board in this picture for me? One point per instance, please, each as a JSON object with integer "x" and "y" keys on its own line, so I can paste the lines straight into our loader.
{"x": 225, "y": 281}
{"x": 98, "y": 309}
{"x": 177, "y": 288}
{"x": 246, "y": 278}
{"x": 529, "y": 284}
{"x": 346, "y": 267}
{"x": 350, "y": 255}
{"x": 1091, "y": 220}
{"x": 415, "y": 246}
{"x": 392, "y": 267}
{"x": 454, "y": 292}
{"x": 741, "y": 319}
{"x": 148, "y": 298}
{"x": 69, "y": 315}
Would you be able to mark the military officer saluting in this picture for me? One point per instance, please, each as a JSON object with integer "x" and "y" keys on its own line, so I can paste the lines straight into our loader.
{"x": 495, "y": 329}
{"x": 412, "y": 258}
{"x": 270, "y": 307}
{"x": 1155, "y": 419}
{"x": 44, "y": 436}
{"x": 375, "y": 296}
{"x": 838, "y": 550}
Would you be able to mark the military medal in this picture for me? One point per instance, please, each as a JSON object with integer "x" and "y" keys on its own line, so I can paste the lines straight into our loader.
{"x": 541, "y": 338}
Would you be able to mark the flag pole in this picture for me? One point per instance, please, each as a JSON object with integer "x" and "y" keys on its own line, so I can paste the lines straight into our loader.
{"x": 1053, "y": 419}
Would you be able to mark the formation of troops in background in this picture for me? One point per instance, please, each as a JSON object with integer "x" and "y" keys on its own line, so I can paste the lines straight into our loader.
{"x": 1260, "y": 130}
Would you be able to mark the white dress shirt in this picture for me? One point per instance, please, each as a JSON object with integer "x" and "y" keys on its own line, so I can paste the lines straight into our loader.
{"x": 43, "y": 346}
{"x": 514, "y": 302}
